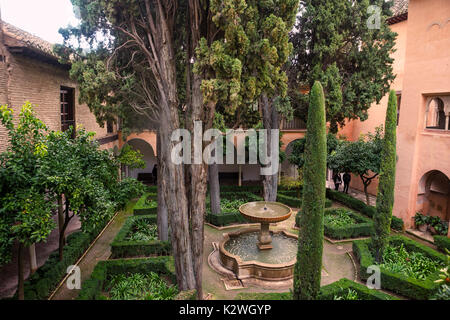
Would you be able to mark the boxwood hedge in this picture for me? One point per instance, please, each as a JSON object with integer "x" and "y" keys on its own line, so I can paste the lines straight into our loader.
{"x": 334, "y": 289}
{"x": 123, "y": 248}
{"x": 396, "y": 282}
{"x": 91, "y": 288}
{"x": 442, "y": 242}
{"x": 143, "y": 208}
{"x": 362, "y": 227}
{"x": 358, "y": 205}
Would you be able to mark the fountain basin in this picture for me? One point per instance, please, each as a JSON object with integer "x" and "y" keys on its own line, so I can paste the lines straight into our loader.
{"x": 274, "y": 265}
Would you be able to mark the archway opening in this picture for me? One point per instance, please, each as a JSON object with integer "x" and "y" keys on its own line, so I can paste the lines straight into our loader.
{"x": 145, "y": 175}
{"x": 433, "y": 197}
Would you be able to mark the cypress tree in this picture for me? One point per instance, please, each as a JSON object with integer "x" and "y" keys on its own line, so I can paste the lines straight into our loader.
{"x": 385, "y": 194}
{"x": 307, "y": 273}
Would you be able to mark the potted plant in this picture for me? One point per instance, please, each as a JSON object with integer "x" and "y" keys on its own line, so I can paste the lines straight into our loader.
{"x": 421, "y": 221}
{"x": 441, "y": 228}
{"x": 434, "y": 223}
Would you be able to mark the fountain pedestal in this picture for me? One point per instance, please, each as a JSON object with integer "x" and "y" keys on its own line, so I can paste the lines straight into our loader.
{"x": 265, "y": 239}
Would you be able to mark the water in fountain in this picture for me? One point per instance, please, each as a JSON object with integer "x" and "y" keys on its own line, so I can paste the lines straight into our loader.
{"x": 245, "y": 246}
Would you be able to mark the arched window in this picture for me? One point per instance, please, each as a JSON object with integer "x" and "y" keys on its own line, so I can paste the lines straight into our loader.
{"x": 435, "y": 114}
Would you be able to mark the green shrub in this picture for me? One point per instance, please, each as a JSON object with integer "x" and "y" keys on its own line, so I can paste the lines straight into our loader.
{"x": 341, "y": 223}
{"x": 91, "y": 288}
{"x": 395, "y": 281}
{"x": 128, "y": 244}
{"x": 343, "y": 287}
{"x": 146, "y": 205}
{"x": 362, "y": 207}
{"x": 128, "y": 188}
{"x": 442, "y": 242}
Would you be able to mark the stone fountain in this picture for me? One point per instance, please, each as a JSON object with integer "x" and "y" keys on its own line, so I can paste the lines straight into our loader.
{"x": 265, "y": 213}
{"x": 260, "y": 253}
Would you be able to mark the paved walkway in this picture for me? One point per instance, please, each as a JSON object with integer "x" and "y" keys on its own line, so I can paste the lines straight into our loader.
{"x": 101, "y": 250}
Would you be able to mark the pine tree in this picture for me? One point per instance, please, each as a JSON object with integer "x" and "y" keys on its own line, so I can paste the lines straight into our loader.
{"x": 307, "y": 273}
{"x": 385, "y": 195}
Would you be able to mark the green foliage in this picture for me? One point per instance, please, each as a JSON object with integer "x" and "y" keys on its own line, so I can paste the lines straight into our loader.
{"x": 128, "y": 188}
{"x": 146, "y": 205}
{"x": 91, "y": 289}
{"x": 420, "y": 219}
{"x": 130, "y": 157}
{"x": 308, "y": 268}
{"x": 139, "y": 286}
{"x": 442, "y": 242}
{"x": 138, "y": 237}
{"x": 345, "y": 288}
{"x": 334, "y": 46}
{"x": 396, "y": 281}
{"x": 25, "y": 207}
{"x": 386, "y": 185}
{"x": 443, "y": 293}
{"x": 348, "y": 294}
{"x": 341, "y": 223}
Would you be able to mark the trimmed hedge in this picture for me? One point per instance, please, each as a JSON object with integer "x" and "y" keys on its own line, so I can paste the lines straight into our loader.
{"x": 122, "y": 248}
{"x": 291, "y": 201}
{"x": 328, "y": 204}
{"x": 142, "y": 208}
{"x": 226, "y": 218}
{"x": 328, "y": 292}
{"x": 396, "y": 282}
{"x": 91, "y": 288}
{"x": 442, "y": 242}
{"x": 39, "y": 285}
{"x": 363, "y": 227}
{"x": 358, "y": 205}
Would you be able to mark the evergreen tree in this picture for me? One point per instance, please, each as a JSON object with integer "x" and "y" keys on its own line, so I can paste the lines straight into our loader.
{"x": 334, "y": 44}
{"x": 308, "y": 268}
{"x": 385, "y": 194}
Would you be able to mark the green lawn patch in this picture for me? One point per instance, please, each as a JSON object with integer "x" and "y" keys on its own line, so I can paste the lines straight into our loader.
{"x": 138, "y": 237}
{"x": 409, "y": 269}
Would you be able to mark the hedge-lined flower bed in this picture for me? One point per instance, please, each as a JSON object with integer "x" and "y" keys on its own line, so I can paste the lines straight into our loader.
{"x": 230, "y": 203}
{"x": 360, "y": 206}
{"x": 393, "y": 275}
{"x": 341, "y": 223}
{"x": 146, "y": 205}
{"x": 100, "y": 281}
{"x": 135, "y": 240}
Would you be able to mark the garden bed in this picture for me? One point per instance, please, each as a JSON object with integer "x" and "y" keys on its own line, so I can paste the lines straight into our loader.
{"x": 360, "y": 206}
{"x": 341, "y": 223}
{"x": 138, "y": 237}
{"x": 146, "y": 205}
{"x": 409, "y": 267}
{"x": 130, "y": 279}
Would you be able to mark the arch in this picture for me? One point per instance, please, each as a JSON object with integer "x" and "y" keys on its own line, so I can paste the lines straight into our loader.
{"x": 288, "y": 169}
{"x": 150, "y": 159}
{"x": 433, "y": 196}
{"x": 290, "y": 136}
{"x": 148, "y": 136}
{"x": 437, "y": 112}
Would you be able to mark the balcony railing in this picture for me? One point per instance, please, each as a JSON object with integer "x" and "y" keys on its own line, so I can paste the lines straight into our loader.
{"x": 294, "y": 124}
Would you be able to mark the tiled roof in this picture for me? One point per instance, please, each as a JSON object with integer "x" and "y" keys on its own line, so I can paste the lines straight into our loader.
{"x": 400, "y": 8}
{"x": 27, "y": 39}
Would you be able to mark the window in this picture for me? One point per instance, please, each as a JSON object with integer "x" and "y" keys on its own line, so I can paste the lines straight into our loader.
{"x": 435, "y": 114}
{"x": 67, "y": 108}
{"x": 399, "y": 102}
{"x": 109, "y": 126}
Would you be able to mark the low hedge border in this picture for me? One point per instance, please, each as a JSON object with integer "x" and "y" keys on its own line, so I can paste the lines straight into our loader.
{"x": 141, "y": 208}
{"x": 226, "y": 218}
{"x": 363, "y": 227}
{"x": 401, "y": 284}
{"x": 360, "y": 206}
{"x": 442, "y": 243}
{"x": 91, "y": 288}
{"x": 328, "y": 292}
{"x": 122, "y": 248}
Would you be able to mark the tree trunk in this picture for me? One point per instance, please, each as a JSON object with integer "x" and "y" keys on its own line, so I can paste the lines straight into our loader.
{"x": 214, "y": 188}
{"x": 60, "y": 215}
{"x": 20, "y": 262}
{"x": 173, "y": 186}
{"x": 270, "y": 121}
{"x": 366, "y": 183}
{"x": 162, "y": 215}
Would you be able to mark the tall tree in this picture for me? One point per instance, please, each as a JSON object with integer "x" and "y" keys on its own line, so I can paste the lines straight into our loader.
{"x": 386, "y": 185}
{"x": 25, "y": 207}
{"x": 361, "y": 157}
{"x": 308, "y": 268}
{"x": 334, "y": 44}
